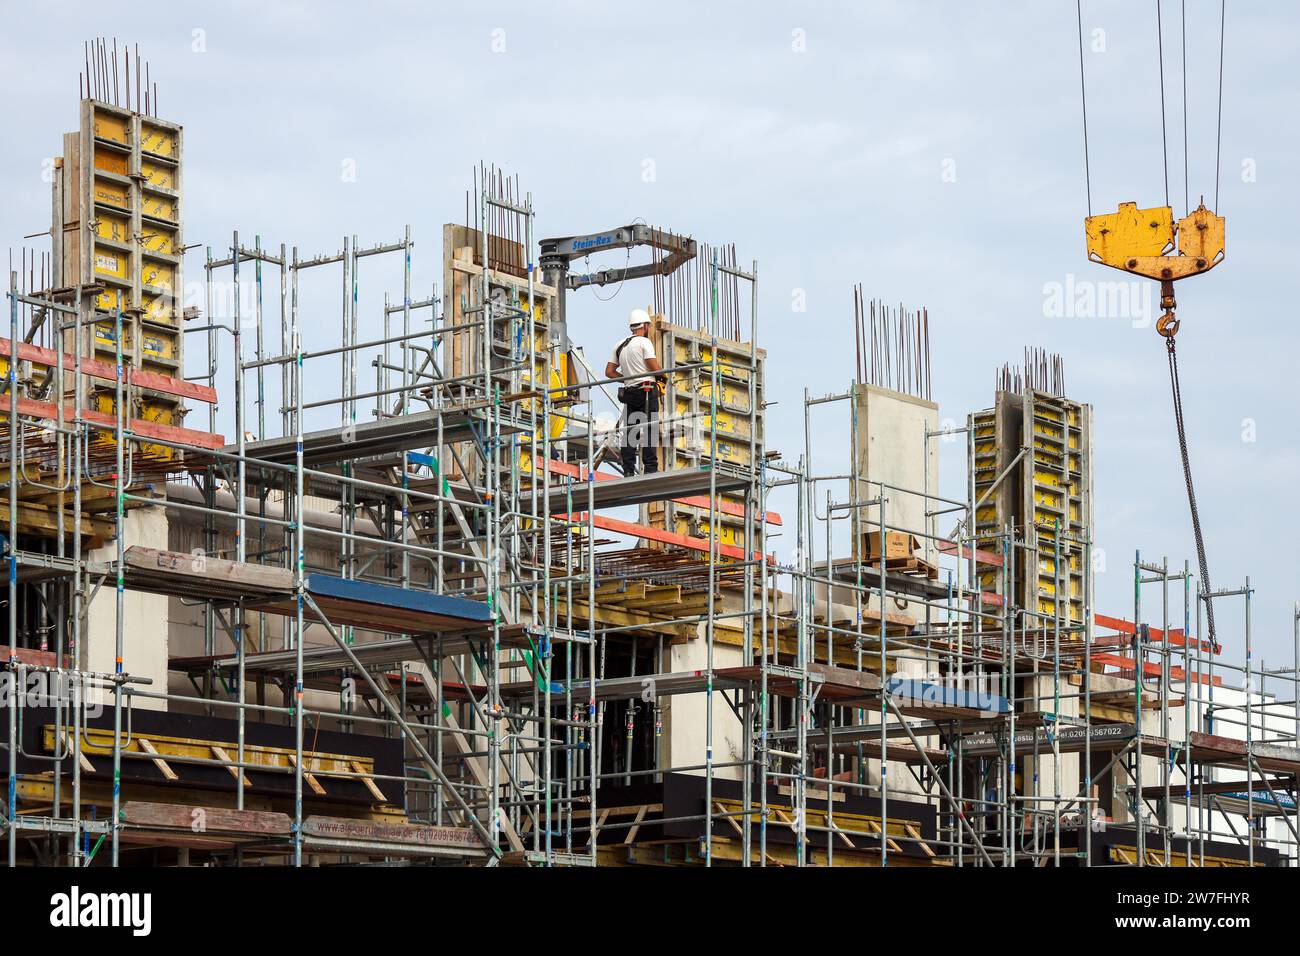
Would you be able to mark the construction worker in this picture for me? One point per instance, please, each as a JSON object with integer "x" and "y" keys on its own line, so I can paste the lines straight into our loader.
{"x": 635, "y": 358}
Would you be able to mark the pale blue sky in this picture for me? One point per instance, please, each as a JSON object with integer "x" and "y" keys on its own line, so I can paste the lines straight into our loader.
{"x": 826, "y": 165}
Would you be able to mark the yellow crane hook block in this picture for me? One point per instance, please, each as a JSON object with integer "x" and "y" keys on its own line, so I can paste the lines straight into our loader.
{"x": 1146, "y": 241}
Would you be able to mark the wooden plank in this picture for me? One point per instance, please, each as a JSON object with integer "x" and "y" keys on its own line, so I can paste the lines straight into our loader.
{"x": 378, "y": 831}
{"x": 1149, "y": 669}
{"x": 980, "y": 556}
{"x": 39, "y": 519}
{"x": 308, "y": 778}
{"x": 99, "y": 740}
{"x": 1176, "y": 637}
{"x": 663, "y": 537}
{"x": 209, "y": 570}
{"x": 172, "y": 433}
{"x": 97, "y": 368}
{"x": 620, "y": 592}
{"x": 636, "y": 824}
{"x": 479, "y": 772}
{"x": 600, "y": 822}
{"x": 369, "y": 782}
{"x": 657, "y": 597}
{"x": 224, "y": 757}
{"x": 618, "y": 617}
{"x": 158, "y": 762}
{"x": 27, "y": 655}
{"x": 144, "y": 814}
{"x": 86, "y": 765}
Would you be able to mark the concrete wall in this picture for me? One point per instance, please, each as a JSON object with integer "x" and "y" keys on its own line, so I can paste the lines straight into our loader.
{"x": 685, "y": 715}
{"x": 145, "y": 629}
{"x": 889, "y": 433}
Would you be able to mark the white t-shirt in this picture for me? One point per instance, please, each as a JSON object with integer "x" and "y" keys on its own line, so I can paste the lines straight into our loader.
{"x": 632, "y": 360}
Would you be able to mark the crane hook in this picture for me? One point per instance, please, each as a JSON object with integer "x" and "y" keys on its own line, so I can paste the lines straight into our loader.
{"x": 1167, "y": 325}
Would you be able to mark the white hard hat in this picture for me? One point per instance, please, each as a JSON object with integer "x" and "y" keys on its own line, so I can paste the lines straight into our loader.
{"x": 638, "y": 317}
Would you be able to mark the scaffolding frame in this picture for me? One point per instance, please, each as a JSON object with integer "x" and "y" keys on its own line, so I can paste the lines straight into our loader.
{"x": 529, "y": 767}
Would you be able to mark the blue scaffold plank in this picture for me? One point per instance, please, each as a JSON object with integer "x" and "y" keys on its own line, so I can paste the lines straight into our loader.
{"x": 919, "y": 694}
{"x": 337, "y": 591}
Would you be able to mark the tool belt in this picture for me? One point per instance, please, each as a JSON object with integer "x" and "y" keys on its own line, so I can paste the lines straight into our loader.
{"x": 644, "y": 386}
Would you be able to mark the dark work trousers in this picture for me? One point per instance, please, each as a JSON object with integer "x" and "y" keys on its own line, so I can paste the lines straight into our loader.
{"x": 641, "y": 429}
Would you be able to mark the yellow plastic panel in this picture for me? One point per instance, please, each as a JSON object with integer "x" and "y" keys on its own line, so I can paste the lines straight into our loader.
{"x": 157, "y": 140}
{"x": 160, "y": 275}
{"x": 159, "y": 175}
{"x": 111, "y": 161}
{"x": 111, "y": 262}
{"x": 112, "y": 127}
{"x": 112, "y": 194}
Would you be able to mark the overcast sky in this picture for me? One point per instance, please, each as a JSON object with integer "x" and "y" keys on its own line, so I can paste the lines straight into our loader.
{"x": 931, "y": 151}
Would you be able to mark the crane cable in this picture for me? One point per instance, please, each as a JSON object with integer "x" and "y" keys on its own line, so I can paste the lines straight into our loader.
{"x": 1170, "y": 329}
{"x": 1175, "y": 386}
{"x": 1202, "y": 563}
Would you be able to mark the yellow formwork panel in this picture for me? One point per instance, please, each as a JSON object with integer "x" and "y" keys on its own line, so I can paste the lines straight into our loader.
{"x": 158, "y": 175}
{"x": 727, "y": 534}
{"x": 158, "y": 140}
{"x": 159, "y": 274}
{"x": 112, "y": 194}
{"x": 694, "y": 513}
{"x": 162, "y": 239}
{"x": 1069, "y": 612}
{"x": 1044, "y": 477}
{"x": 107, "y": 301}
{"x": 161, "y": 413}
{"x": 158, "y": 206}
{"x": 1047, "y": 499}
{"x": 159, "y": 308}
{"x": 112, "y": 161}
{"x": 734, "y": 365}
{"x": 1047, "y": 586}
{"x": 111, "y": 262}
{"x": 113, "y": 227}
{"x": 1047, "y": 563}
{"x": 730, "y": 394}
{"x": 111, "y": 126}
{"x": 106, "y": 337}
{"x": 733, "y": 452}
{"x": 157, "y": 346}
{"x": 725, "y": 423}
{"x": 556, "y": 428}
{"x": 1047, "y": 435}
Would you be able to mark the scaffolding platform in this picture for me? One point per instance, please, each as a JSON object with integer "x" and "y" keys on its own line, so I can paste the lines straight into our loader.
{"x": 387, "y": 607}
{"x": 611, "y": 492}
{"x": 168, "y": 824}
{"x": 347, "y": 602}
{"x": 324, "y": 658}
{"x": 1226, "y": 751}
{"x": 842, "y": 685}
{"x": 941, "y": 702}
{"x": 202, "y": 578}
{"x": 396, "y": 434}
